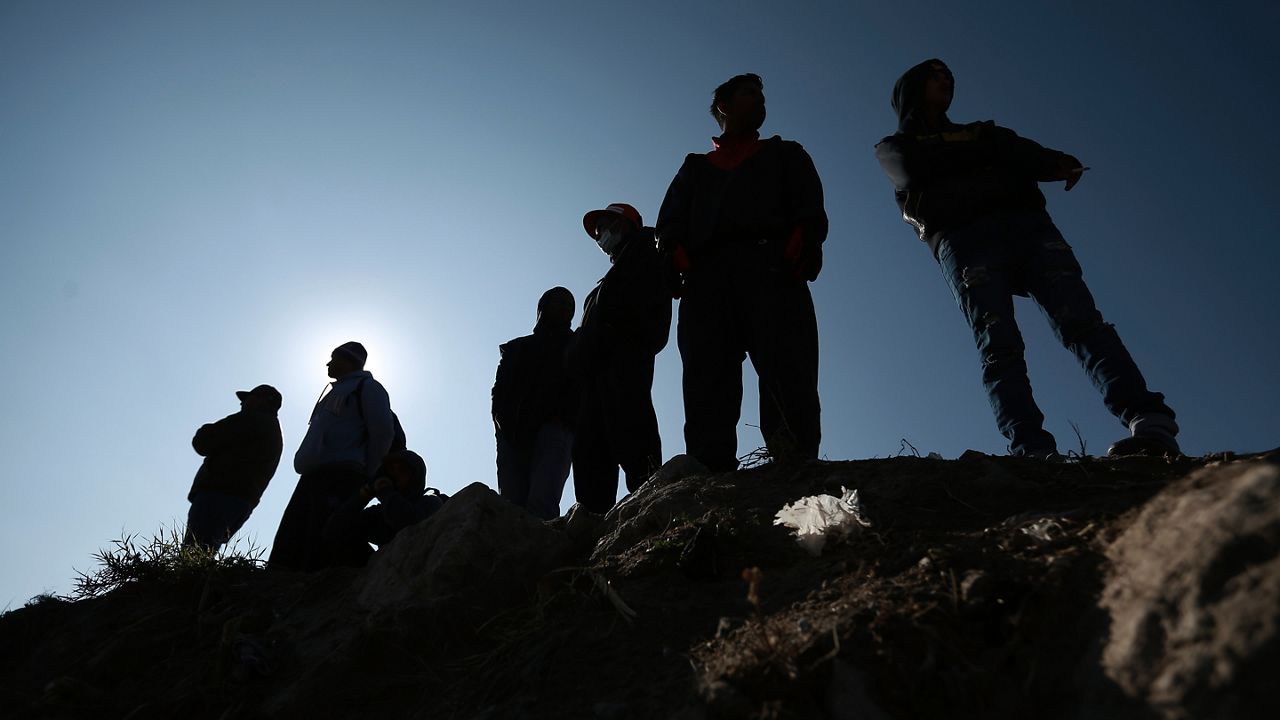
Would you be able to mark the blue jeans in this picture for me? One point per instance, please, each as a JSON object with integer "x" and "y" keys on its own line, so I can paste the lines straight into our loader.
{"x": 1000, "y": 256}
{"x": 535, "y": 480}
{"x": 214, "y": 517}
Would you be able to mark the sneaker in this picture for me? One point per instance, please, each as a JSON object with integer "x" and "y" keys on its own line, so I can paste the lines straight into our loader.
{"x": 1148, "y": 446}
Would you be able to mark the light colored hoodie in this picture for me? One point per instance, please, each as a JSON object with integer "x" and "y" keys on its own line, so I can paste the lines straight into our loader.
{"x": 350, "y": 425}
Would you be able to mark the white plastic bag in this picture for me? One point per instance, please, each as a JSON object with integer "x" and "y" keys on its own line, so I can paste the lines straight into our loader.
{"x": 817, "y": 518}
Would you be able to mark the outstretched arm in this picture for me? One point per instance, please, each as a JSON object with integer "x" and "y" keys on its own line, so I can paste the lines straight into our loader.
{"x": 1042, "y": 163}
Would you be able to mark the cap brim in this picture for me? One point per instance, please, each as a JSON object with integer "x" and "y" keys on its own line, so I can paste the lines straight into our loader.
{"x": 242, "y": 394}
{"x": 590, "y": 219}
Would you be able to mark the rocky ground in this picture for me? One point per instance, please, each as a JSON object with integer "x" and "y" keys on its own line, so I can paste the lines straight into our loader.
{"x": 984, "y": 587}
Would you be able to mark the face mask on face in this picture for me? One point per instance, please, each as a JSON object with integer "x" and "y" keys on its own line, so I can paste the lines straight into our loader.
{"x": 610, "y": 240}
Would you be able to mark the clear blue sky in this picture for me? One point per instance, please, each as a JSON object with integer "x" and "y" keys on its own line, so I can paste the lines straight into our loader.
{"x": 199, "y": 197}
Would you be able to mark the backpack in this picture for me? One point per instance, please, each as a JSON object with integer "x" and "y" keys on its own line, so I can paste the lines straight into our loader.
{"x": 398, "y": 439}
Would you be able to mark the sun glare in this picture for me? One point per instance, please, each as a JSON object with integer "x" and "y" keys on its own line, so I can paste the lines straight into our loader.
{"x": 391, "y": 358}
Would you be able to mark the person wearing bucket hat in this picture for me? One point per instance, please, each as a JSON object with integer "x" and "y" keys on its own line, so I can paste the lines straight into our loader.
{"x": 350, "y": 432}
{"x": 626, "y": 320}
{"x": 971, "y": 193}
{"x": 241, "y": 453}
{"x": 534, "y": 406}
{"x": 741, "y": 231}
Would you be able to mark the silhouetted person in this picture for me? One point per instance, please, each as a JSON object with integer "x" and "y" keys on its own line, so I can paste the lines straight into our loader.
{"x": 534, "y": 404}
{"x": 241, "y": 452}
{"x": 971, "y": 193}
{"x": 400, "y": 488}
{"x": 625, "y": 323}
{"x": 350, "y": 432}
{"x": 741, "y": 230}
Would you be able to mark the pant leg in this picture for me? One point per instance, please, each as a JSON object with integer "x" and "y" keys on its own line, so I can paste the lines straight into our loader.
{"x": 595, "y": 470}
{"x": 300, "y": 543}
{"x": 712, "y": 354}
{"x": 976, "y": 267}
{"x": 214, "y": 517}
{"x": 1056, "y": 282}
{"x": 337, "y": 486}
{"x": 552, "y": 457}
{"x": 631, "y": 420}
{"x": 784, "y": 351}
{"x": 288, "y": 549}
{"x": 513, "y": 473}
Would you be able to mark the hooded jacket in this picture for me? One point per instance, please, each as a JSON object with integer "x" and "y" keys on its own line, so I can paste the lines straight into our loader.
{"x": 342, "y": 433}
{"x": 948, "y": 177}
{"x": 532, "y": 387}
{"x": 241, "y": 452}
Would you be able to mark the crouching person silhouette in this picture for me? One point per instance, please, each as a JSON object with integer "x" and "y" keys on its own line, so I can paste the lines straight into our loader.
{"x": 241, "y": 452}
{"x": 971, "y": 193}
{"x": 401, "y": 490}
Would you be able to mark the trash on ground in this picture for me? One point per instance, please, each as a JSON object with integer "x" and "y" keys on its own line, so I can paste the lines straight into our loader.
{"x": 818, "y": 518}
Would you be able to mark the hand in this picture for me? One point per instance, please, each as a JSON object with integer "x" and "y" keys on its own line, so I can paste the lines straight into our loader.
{"x": 674, "y": 265}
{"x": 804, "y": 259}
{"x": 1073, "y": 177}
{"x": 1071, "y": 170}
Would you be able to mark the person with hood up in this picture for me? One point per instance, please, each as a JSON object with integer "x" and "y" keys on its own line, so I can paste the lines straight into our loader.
{"x": 351, "y": 431}
{"x": 741, "y": 231}
{"x": 534, "y": 404}
{"x": 241, "y": 452}
{"x": 626, "y": 319}
{"x": 403, "y": 500}
{"x": 971, "y": 193}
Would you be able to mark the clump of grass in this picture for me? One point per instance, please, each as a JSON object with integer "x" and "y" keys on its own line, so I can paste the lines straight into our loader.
{"x": 161, "y": 559}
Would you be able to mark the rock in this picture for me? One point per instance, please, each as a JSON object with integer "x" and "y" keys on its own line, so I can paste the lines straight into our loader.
{"x": 649, "y": 510}
{"x": 476, "y": 540}
{"x": 583, "y": 527}
{"x": 1194, "y": 597}
{"x": 678, "y": 468}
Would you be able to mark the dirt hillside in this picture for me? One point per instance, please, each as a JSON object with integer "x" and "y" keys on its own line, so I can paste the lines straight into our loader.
{"x": 983, "y": 587}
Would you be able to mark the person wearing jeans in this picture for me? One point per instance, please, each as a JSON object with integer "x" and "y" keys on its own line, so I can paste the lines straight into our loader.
{"x": 971, "y": 192}
{"x": 534, "y": 402}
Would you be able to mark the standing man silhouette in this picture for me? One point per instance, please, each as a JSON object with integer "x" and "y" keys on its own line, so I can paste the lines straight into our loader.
{"x": 626, "y": 319}
{"x": 534, "y": 404}
{"x": 241, "y": 452}
{"x": 351, "y": 431}
{"x": 741, "y": 232}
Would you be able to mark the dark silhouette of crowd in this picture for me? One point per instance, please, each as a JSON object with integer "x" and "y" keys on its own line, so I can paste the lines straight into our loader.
{"x": 737, "y": 240}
